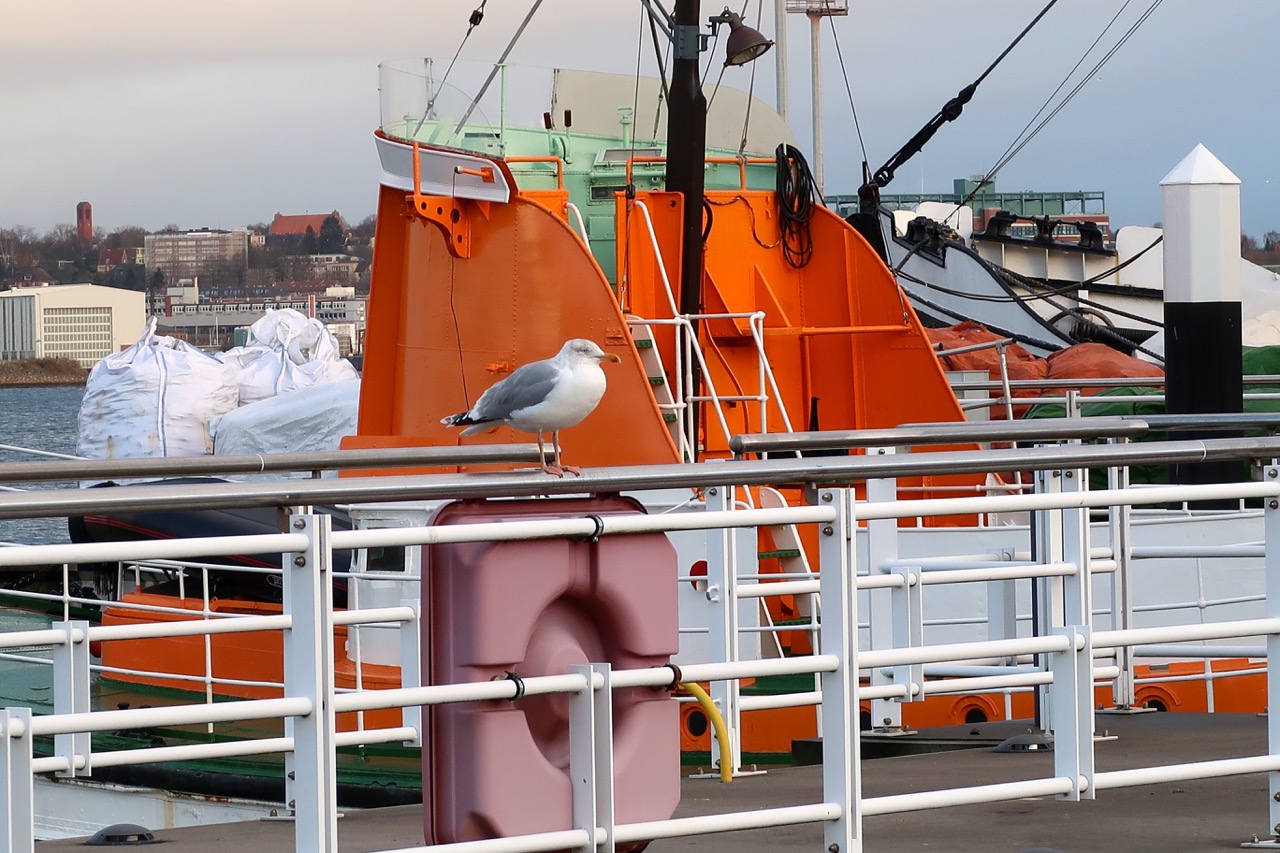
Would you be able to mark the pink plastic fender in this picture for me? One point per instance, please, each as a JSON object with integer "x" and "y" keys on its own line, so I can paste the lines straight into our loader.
{"x": 536, "y": 607}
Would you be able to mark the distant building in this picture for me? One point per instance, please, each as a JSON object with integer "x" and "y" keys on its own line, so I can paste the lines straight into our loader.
{"x": 212, "y": 323}
{"x": 332, "y": 266}
{"x": 27, "y": 277}
{"x": 109, "y": 259}
{"x": 84, "y": 322}
{"x": 215, "y": 256}
{"x": 291, "y": 230}
{"x": 84, "y": 225}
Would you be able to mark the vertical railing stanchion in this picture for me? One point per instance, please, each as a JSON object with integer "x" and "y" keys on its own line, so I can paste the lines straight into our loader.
{"x": 71, "y": 693}
{"x": 1272, "y": 560}
{"x": 841, "y": 748}
{"x": 591, "y": 757}
{"x": 722, "y": 641}
{"x": 1071, "y": 695}
{"x": 882, "y": 546}
{"x": 1077, "y": 589}
{"x": 17, "y": 785}
{"x": 411, "y": 665}
{"x": 1118, "y": 520}
{"x": 1046, "y": 593}
{"x": 312, "y": 785}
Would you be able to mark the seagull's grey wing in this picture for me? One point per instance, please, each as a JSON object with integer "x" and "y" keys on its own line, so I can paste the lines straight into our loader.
{"x": 528, "y": 386}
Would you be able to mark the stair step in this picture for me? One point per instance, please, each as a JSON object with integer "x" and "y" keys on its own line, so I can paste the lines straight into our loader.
{"x": 670, "y": 417}
{"x": 657, "y": 380}
{"x": 784, "y": 554}
{"x": 644, "y": 343}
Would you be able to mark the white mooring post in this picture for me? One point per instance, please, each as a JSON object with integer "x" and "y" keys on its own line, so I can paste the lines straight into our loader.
{"x": 1201, "y": 209}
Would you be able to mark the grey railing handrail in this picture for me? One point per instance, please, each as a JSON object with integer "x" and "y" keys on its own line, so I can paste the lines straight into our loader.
{"x": 834, "y": 469}
{"x": 1221, "y": 421}
{"x": 910, "y": 435}
{"x": 194, "y": 466}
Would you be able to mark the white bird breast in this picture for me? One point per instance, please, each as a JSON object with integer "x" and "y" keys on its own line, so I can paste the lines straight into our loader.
{"x": 575, "y": 396}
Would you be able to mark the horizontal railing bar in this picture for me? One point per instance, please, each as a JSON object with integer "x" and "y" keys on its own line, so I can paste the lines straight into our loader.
{"x": 542, "y": 842}
{"x": 191, "y": 627}
{"x": 171, "y": 715}
{"x": 114, "y": 552}
{"x": 495, "y": 531}
{"x": 1185, "y": 772}
{"x": 192, "y": 752}
{"x": 373, "y": 615}
{"x": 828, "y": 469}
{"x": 391, "y": 457}
{"x": 705, "y": 824}
{"x": 954, "y": 651}
{"x": 779, "y": 700}
{"x": 1061, "y": 500}
{"x": 360, "y": 737}
{"x": 910, "y": 435}
{"x": 1243, "y": 549}
{"x": 897, "y": 803}
{"x": 1185, "y": 633}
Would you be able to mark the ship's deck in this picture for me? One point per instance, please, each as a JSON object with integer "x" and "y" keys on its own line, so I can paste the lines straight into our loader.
{"x": 1202, "y": 815}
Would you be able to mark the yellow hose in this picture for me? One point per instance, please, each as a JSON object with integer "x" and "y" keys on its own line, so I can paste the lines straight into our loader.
{"x": 722, "y": 734}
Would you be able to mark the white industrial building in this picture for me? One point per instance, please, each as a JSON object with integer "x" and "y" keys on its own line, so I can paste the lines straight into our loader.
{"x": 84, "y": 322}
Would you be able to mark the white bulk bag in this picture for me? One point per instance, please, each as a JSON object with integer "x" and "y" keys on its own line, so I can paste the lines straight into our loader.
{"x": 153, "y": 399}
{"x": 306, "y": 420}
{"x": 286, "y": 350}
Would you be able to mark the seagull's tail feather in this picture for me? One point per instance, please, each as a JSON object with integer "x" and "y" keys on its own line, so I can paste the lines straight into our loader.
{"x": 472, "y": 425}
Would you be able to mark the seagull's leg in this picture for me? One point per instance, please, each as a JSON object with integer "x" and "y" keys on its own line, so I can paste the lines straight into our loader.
{"x": 555, "y": 444}
{"x": 553, "y": 469}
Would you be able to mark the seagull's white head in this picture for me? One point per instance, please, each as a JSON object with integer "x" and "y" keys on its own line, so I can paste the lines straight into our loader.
{"x": 581, "y": 349}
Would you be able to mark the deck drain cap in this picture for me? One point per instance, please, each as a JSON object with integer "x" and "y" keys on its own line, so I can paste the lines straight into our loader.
{"x": 121, "y": 833}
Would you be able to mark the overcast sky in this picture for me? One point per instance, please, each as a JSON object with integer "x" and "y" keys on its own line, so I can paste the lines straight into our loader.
{"x": 221, "y": 114}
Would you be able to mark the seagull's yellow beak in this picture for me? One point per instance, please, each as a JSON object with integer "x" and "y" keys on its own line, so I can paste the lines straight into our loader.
{"x": 611, "y": 357}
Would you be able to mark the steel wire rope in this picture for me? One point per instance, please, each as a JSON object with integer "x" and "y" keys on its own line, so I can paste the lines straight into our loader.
{"x": 1024, "y": 138}
{"x": 477, "y": 16}
{"x": 1013, "y": 278}
{"x": 624, "y": 289}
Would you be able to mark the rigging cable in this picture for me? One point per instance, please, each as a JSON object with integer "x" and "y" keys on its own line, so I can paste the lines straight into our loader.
{"x": 1024, "y": 138}
{"x": 477, "y": 15}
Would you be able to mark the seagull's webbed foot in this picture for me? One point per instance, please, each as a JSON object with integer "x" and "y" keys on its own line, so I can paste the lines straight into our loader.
{"x": 555, "y": 470}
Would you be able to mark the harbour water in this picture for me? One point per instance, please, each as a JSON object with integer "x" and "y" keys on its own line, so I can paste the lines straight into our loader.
{"x": 43, "y": 419}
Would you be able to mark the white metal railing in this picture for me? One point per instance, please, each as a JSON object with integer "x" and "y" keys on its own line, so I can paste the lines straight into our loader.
{"x": 1075, "y": 653}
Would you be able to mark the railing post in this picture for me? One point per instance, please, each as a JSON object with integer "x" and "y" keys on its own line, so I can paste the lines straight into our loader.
{"x": 1272, "y": 562}
{"x": 311, "y": 774}
{"x": 841, "y": 747}
{"x": 908, "y": 628}
{"x": 722, "y": 619}
{"x": 1046, "y": 593}
{"x": 17, "y": 794}
{"x": 1118, "y": 519}
{"x": 71, "y": 694}
{"x": 882, "y": 546}
{"x": 591, "y": 758}
{"x": 1077, "y": 589}
{"x": 1071, "y": 694}
{"x": 411, "y": 665}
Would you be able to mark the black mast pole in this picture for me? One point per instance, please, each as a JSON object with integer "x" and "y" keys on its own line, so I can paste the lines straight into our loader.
{"x": 686, "y": 147}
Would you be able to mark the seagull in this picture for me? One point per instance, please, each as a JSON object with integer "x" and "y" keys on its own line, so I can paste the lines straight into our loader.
{"x": 543, "y": 396}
